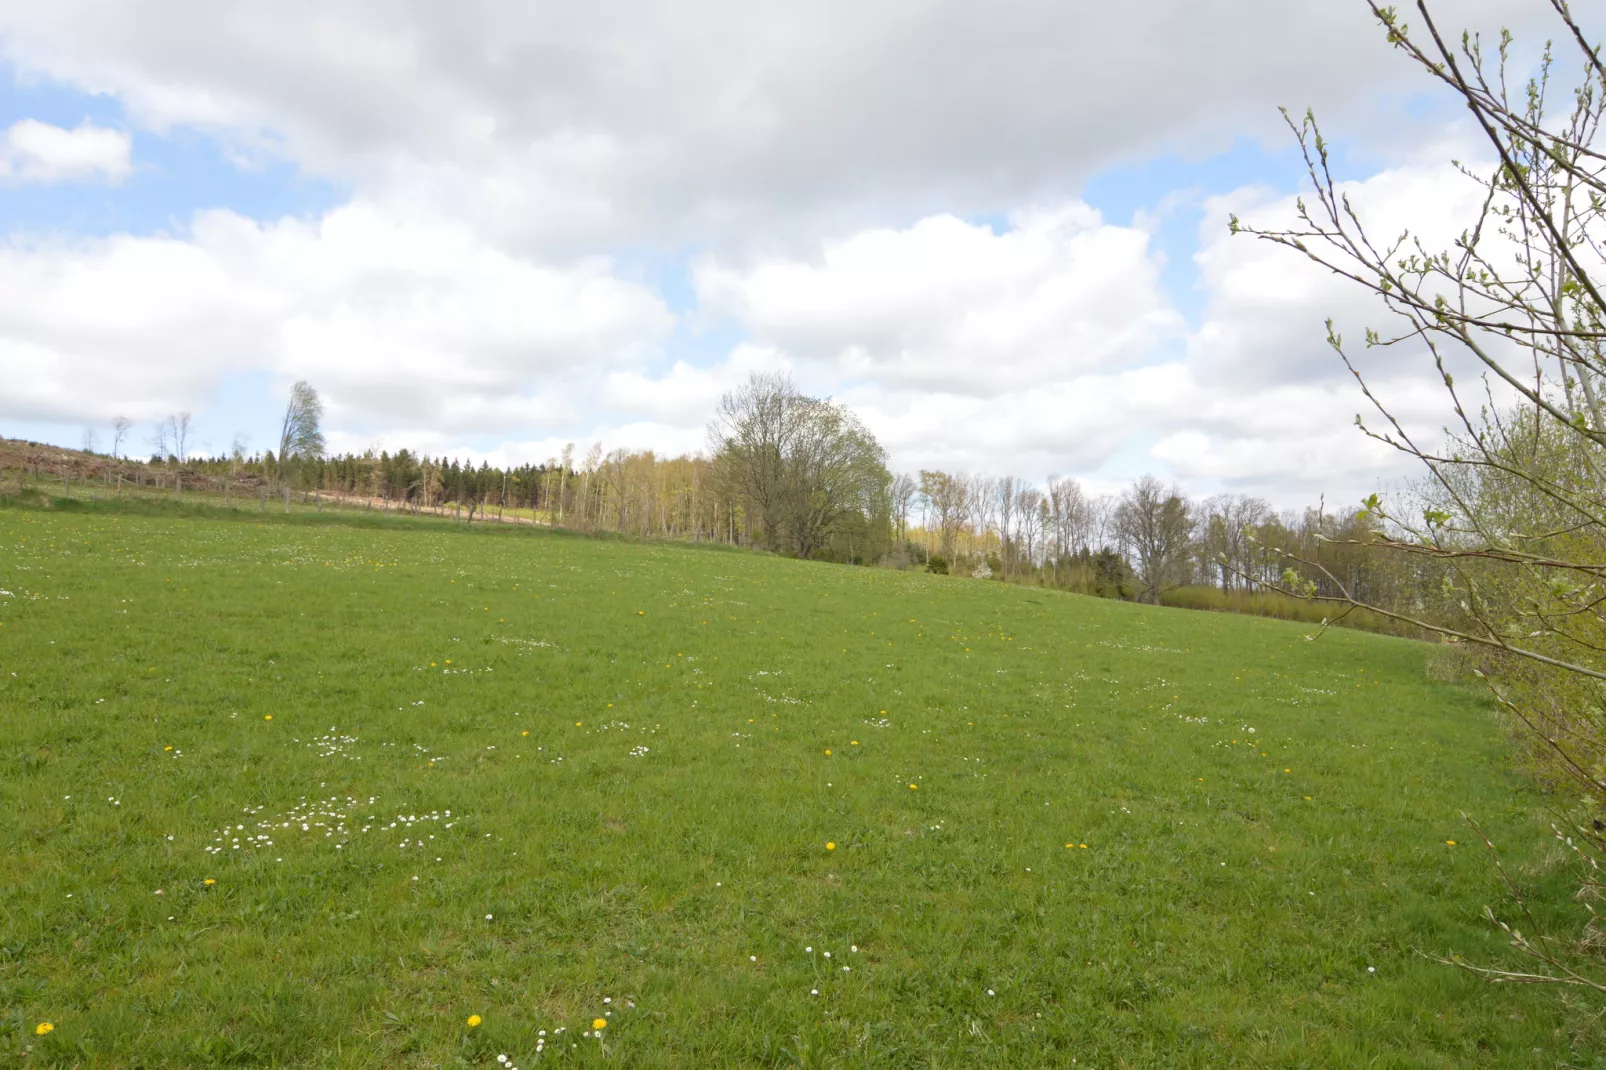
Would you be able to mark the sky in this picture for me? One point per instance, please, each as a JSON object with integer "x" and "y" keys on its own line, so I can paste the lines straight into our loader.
{"x": 998, "y": 232}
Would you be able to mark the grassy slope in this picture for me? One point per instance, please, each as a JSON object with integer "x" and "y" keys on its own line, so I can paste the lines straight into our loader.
{"x": 1217, "y": 916}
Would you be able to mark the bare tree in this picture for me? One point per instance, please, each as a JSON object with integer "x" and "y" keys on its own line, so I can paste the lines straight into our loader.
{"x": 90, "y": 440}
{"x": 1155, "y": 525}
{"x": 1029, "y": 515}
{"x": 948, "y": 498}
{"x": 1002, "y": 493}
{"x": 120, "y": 428}
{"x": 159, "y": 440}
{"x": 903, "y": 491}
{"x": 178, "y": 435}
{"x": 1227, "y": 537}
{"x": 1101, "y": 522}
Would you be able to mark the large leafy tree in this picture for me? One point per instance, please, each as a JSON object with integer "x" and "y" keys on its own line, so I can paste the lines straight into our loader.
{"x": 802, "y": 468}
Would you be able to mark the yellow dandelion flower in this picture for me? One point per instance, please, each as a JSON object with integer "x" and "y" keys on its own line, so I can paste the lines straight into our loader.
{"x": 42, "y": 1028}
{"x": 577, "y": 724}
{"x": 1450, "y": 842}
{"x": 599, "y": 1023}
{"x": 432, "y": 664}
{"x": 1083, "y": 846}
{"x": 853, "y": 743}
{"x": 914, "y": 787}
{"x": 525, "y": 732}
{"x": 167, "y": 748}
{"x": 829, "y": 846}
{"x": 474, "y": 1020}
{"x": 828, "y": 752}
{"x": 267, "y": 716}
{"x": 210, "y": 880}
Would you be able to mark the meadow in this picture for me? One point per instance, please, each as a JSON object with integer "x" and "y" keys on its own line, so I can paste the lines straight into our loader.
{"x": 315, "y": 792}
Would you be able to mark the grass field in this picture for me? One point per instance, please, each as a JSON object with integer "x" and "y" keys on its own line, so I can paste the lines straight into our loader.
{"x": 310, "y": 794}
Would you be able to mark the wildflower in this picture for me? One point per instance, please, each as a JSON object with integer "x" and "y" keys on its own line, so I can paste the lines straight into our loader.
{"x": 525, "y": 732}
{"x": 209, "y": 881}
{"x": 829, "y": 846}
{"x": 914, "y": 787}
{"x": 599, "y": 1023}
{"x": 42, "y": 1028}
{"x": 488, "y": 917}
{"x": 828, "y": 752}
{"x": 474, "y": 1020}
{"x": 267, "y": 716}
{"x": 854, "y": 743}
{"x": 1450, "y": 842}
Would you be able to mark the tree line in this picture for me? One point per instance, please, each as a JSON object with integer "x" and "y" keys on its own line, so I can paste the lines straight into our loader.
{"x": 803, "y": 476}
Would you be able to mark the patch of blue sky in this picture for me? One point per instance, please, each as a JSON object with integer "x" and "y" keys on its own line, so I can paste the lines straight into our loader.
{"x": 1166, "y": 192}
{"x": 175, "y": 174}
{"x": 248, "y": 404}
{"x": 699, "y": 338}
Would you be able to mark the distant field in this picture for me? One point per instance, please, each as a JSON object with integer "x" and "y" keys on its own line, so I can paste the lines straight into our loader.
{"x": 438, "y": 772}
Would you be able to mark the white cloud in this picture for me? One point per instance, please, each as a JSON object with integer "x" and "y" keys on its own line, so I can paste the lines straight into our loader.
{"x": 36, "y": 152}
{"x": 719, "y": 120}
{"x": 1048, "y": 348}
{"x": 955, "y": 307}
{"x": 414, "y": 322}
{"x": 827, "y": 160}
{"x": 685, "y": 396}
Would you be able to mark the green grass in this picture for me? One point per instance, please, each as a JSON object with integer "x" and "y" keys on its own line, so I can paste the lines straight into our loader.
{"x": 1260, "y": 898}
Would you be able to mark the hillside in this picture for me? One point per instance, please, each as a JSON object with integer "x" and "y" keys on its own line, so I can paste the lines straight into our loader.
{"x": 350, "y": 796}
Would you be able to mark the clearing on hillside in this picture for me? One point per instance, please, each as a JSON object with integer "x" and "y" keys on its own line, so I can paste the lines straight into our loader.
{"x": 409, "y": 795}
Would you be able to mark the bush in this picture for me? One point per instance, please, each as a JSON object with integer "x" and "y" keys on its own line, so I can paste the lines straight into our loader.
{"x": 937, "y": 565}
{"x": 1283, "y": 607}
